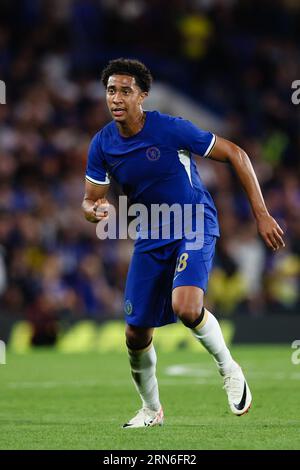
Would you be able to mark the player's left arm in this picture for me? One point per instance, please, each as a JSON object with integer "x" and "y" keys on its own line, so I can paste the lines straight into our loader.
{"x": 268, "y": 228}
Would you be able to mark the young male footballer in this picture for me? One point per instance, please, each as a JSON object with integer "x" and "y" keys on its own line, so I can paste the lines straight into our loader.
{"x": 151, "y": 156}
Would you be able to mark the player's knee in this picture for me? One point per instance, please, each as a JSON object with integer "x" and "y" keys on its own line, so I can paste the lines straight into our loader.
{"x": 137, "y": 338}
{"x": 188, "y": 312}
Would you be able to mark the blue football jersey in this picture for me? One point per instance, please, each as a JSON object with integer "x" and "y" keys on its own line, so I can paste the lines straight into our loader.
{"x": 155, "y": 166}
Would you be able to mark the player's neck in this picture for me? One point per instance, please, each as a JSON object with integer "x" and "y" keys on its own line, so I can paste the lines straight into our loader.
{"x": 133, "y": 126}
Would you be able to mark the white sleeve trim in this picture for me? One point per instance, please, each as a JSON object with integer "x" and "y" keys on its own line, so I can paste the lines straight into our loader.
{"x": 209, "y": 148}
{"x": 107, "y": 180}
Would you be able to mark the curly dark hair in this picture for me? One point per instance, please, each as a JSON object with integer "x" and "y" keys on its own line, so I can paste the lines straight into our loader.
{"x": 133, "y": 68}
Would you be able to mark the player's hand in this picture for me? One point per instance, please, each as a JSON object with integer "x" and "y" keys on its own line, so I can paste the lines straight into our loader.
{"x": 270, "y": 232}
{"x": 100, "y": 209}
{"x": 97, "y": 211}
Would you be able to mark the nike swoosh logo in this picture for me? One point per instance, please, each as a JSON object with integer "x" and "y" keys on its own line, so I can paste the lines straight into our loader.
{"x": 241, "y": 405}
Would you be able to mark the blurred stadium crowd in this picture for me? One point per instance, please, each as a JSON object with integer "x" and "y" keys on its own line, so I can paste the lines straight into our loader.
{"x": 238, "y": 58}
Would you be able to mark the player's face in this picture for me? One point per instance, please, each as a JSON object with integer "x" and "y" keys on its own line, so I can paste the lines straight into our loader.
{"x": 124, "y": 98}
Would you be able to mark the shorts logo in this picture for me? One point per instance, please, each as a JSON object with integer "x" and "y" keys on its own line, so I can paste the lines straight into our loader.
{"x": 153, "y": 154}
{"x": 128, "y": 307}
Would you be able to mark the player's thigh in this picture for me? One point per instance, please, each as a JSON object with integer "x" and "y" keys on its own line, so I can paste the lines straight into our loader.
{"x": 187, "y": 301}
{"x": 191, "y": 275}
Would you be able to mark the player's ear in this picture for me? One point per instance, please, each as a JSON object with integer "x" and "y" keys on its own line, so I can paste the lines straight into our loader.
{"x": 143, "y": 95}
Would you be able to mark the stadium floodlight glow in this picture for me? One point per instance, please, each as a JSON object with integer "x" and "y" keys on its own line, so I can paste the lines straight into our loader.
{"x": 2, "y": 92}
{"x": 160, "y": 221}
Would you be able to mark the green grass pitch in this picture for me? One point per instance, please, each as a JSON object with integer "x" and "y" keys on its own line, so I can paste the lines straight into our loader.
{"x": 51, "y": 400}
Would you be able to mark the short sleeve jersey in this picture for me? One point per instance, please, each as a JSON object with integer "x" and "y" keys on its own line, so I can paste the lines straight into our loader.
{"x": 155, "y": 166}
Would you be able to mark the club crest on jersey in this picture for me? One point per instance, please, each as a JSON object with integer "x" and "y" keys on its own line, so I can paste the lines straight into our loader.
{"x": 128, "y": 307}
{"x": 153, "y": 154}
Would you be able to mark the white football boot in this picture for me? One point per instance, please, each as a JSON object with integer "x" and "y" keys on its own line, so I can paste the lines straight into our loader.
{"x": 146, "y": 418}
{"x": 238, "y": 392}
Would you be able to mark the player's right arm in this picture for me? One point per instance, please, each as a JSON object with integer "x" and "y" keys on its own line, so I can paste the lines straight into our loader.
{"x": 95, "y": 204}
